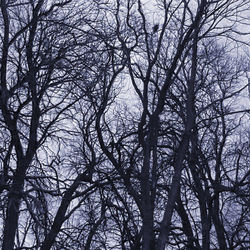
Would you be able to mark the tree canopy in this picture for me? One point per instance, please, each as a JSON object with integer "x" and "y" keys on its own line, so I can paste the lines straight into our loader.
{"x": 124, "y": 124}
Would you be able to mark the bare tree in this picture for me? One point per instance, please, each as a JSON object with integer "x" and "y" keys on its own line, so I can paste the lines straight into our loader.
{"x": 153, "y": 63}
{"x": 37, "y": 65}
{"x": 117, "y": 125}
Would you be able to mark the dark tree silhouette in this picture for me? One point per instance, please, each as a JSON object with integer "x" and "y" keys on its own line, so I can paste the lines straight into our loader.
{"x": 122, "y": 125}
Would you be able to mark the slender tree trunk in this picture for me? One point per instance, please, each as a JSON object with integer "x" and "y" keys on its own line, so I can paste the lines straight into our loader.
{"x": 148, "y": 184}
{"x": 218, "y": 224}
{"x": 188, "y": 134}
{"x": 215, "y": 208}
{"x": 60, "y": 215}
{"x": 147, "y": 208}
{"x": 14, "y": 202}
{"x": 187, "y": 227}
{"x": 173, "y": 193}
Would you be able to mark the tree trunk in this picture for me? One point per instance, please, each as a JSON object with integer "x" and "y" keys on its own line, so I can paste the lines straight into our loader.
{"x": 14, "y": 202}
{"x": 174, "y": 191}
